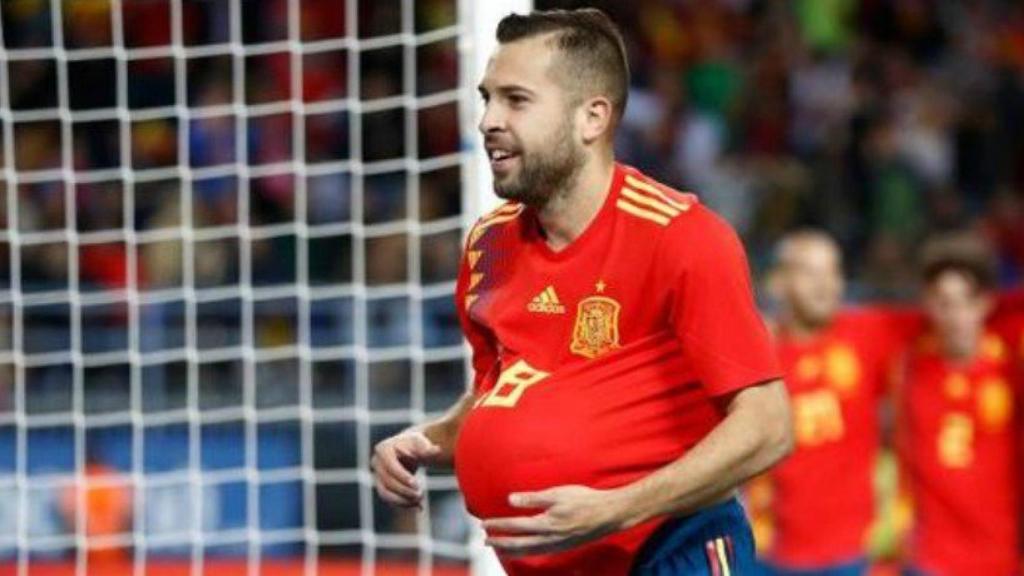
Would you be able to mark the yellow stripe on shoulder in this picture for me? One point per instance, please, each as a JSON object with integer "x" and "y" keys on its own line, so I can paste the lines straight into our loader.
{"x": 650, "y": 202}
{"x": 657, "y": 192}
{"x": 506, "y": 209}
{"x": 644, "y": 213}
{"x": 499, "y": 219}
{"x": 505, "y": 213}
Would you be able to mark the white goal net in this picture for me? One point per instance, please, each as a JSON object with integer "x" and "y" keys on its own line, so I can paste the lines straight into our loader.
{"x": 230, "y": 237}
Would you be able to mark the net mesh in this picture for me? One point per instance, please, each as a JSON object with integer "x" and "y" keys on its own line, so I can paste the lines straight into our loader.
{"x": 231, "y": 230}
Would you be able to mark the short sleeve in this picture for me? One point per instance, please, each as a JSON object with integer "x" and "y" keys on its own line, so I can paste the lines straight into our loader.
{"x": 481, "y": 341}
{"x": 713, "y": 313}
{"x": 882, "y": 334}
{"x": 1007, "y": 320}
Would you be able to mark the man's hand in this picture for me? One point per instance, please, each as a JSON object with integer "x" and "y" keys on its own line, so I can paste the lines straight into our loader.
{"x": 395, "y": 461}
{"x": 571, "y": 516}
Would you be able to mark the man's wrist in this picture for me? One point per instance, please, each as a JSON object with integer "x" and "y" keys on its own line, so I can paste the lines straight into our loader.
{"x": 632, "y": 508}
{"x": 437, "y": 435}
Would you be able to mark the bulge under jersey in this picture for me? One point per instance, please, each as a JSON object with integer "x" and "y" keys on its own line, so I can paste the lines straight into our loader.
{"x": 600, "y": 363}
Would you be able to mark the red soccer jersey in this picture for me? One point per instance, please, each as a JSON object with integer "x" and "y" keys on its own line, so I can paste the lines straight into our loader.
{"x": 600, "y": 363}
{"x": 1008, "y": 321}
{"x": 815, "y": 508}
{"x": 957, "y": 446}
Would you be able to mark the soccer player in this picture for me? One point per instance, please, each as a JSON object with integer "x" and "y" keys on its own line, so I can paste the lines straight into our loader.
{"x": 957, "y": 423}
{"x": 625, "y": 384}
{"x": 813, "y": 512}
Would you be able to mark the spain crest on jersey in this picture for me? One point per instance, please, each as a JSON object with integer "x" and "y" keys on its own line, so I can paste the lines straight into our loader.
{"x": 597, "y": 327}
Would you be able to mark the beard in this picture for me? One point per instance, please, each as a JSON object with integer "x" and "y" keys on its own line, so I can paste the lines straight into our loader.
{"x": 544, "y": 173}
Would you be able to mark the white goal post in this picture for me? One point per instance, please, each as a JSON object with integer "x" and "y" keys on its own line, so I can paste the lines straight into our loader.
{"x": 485, "y": 17}
{"x": 225, "y": 273}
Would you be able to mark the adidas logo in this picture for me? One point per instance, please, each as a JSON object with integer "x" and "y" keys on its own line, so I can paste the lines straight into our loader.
{"x": 546, "y": 303}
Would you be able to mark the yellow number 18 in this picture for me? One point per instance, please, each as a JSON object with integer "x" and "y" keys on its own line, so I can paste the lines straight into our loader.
{"x": 511, "y": 385}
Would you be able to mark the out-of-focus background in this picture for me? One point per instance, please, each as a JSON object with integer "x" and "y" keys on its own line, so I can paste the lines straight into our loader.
{"x": 879, "y": 121}
{"x": 231, "y": 232}
{"x": 231, "y": 229}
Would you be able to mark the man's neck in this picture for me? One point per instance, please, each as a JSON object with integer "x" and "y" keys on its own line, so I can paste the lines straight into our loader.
{"x": 798, "y": 330}
{"x": 568, "y": 213}
{"x": 964, "y": 354}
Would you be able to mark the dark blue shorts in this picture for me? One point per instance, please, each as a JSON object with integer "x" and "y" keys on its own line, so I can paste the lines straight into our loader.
{"x": 716, "y": 541}
{"x": 853, "y": 568}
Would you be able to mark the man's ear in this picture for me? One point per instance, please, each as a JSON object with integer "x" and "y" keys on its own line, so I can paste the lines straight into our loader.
{"x": 596, "y": 117}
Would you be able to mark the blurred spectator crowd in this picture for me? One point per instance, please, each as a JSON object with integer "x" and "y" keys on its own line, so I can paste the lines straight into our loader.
{"x": 248, "y": 173}
{"x": 879, "y": 121}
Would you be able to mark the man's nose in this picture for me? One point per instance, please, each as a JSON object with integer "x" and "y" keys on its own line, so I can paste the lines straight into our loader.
{"x": 493, "y": 120}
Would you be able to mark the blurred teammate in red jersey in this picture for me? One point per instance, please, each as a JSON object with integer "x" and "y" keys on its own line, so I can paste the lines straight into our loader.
{"x": 957, "y": 393}
{"x": 624, "y": 383}
{"x": 813, "y": 512}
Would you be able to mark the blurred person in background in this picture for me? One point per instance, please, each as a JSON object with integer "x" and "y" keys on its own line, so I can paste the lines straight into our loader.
{"x": 957, "y": 389}
{"x": 813, "y": 514}
{"x": 106, "y": 497}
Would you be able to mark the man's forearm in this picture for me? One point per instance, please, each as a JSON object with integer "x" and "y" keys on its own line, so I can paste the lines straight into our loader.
{"x": 750, "y": 439}
{"x": 444, "y": 430}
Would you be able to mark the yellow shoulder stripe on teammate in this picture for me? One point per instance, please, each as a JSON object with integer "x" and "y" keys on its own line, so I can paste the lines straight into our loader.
{"x": 992, "y": 348}
{"x": 650, "y": 202}
{"x": 659, "y": 193}
{"x": 644, "y": 213}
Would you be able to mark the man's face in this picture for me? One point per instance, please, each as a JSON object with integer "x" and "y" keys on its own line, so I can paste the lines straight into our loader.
{"x": 528, "y": 124}
{"x": 957, "y": 309}
{"x": 811, "y": 280}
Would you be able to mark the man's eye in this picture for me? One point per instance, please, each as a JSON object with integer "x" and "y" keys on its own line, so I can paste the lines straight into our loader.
{"x": 517, "y": 99}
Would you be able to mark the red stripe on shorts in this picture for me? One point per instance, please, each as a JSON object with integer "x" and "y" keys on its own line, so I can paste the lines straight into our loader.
{"x": 709, "y": 549}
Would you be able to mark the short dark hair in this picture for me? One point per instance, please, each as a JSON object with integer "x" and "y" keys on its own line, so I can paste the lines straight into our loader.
{"x": 962, "y": 252}
{"x": 588, "y": 40}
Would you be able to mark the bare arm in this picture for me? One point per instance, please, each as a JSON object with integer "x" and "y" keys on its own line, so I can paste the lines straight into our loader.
{"x": 444, "y": 430}
{"x": 396, "y": 459}
{"x": 755, "y": 434}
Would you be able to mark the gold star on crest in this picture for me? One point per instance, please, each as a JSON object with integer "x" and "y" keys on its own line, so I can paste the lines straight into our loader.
{"x": 600, "y": 285}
